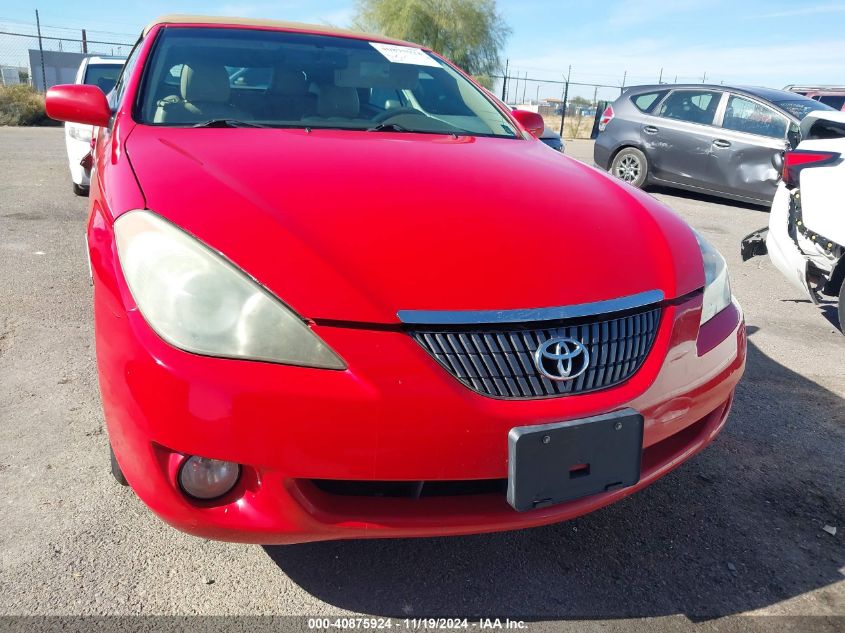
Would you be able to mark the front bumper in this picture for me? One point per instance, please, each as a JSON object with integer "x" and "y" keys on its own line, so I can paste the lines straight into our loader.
{"x": 782, "y": 249}
{"x": 394, "y": 415}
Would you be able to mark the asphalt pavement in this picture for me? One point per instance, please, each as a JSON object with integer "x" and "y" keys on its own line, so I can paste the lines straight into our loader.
{"x": 737, "y": 531}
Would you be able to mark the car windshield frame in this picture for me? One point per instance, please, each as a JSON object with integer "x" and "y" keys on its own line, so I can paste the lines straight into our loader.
{"x": 329, "y": 63}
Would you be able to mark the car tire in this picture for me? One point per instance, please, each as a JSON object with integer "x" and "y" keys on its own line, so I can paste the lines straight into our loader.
{"x": 79, "y": 190}
{"x": 630, "y": 165}
{"x": 841, "y": 313}
{"x": 115, "y": 469}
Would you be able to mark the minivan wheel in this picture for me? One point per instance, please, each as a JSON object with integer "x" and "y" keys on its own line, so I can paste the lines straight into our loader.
{"x": 115, "y": 469}
{"x": 630, "y": 165}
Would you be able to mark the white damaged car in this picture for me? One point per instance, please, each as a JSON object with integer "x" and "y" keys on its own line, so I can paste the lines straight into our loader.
{"x": 102, "y": 72}
{"x": 805, "y": 239}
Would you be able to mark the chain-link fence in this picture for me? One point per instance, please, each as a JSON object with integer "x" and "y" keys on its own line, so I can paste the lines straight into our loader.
{"x": 568, "y": 107}
{"x": 51, "y": 58}
{"x": 572, "y": 103}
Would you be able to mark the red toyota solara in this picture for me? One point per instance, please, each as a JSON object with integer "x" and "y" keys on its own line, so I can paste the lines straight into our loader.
{"x": 340, "y": 292}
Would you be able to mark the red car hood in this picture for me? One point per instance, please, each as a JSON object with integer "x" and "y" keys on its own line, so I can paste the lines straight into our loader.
{"x": 356, "y": 226}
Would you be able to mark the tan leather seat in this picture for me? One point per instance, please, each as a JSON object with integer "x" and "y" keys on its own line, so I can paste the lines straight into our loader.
{"x": 204, "y": 95}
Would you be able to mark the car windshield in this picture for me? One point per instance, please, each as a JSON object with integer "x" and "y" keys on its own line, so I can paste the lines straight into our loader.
{"x": 226, "y": 77}
{"x": 799, "y": 107}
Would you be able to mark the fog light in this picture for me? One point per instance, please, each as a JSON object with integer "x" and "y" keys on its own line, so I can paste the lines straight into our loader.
{"x": 205, "y": 478}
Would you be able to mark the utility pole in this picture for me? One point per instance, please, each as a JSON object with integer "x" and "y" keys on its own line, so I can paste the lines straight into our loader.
{"x": 660, "y": 79}
{"x": 41, "y": 52}
{"x": 562, "y": 107}
{"x": 505, "y": 82}
{"x": 84, "y": 41}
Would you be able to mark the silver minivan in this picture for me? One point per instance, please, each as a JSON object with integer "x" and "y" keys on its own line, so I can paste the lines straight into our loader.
{"x": 713, "y": 139}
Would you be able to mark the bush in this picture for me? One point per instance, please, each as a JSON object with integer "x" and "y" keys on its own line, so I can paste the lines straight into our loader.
{"x": 21, "y": 105}
{"x": 575, "y": 126}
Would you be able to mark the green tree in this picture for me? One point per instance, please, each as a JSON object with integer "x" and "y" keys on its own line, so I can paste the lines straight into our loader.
{"x": 471, "y": 33}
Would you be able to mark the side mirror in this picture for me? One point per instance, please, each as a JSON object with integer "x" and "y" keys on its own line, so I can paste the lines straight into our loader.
{"x": 777, "y": 162}
{"x": 78, "y": 103}
{"x": 530, "y": 122}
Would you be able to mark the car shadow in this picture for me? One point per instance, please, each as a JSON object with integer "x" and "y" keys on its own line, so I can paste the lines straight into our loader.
{"x": 737, "y": 528}
{"x": 703, "y": 197}
{"x": 830, "y": 311}
{"x": 828, "y": 308}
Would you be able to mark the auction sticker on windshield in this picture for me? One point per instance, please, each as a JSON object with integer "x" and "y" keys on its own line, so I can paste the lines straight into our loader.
{"x": 404, "y": 54}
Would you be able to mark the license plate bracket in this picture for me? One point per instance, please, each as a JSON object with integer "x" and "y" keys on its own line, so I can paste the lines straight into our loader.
{"x": 553, "y": 463}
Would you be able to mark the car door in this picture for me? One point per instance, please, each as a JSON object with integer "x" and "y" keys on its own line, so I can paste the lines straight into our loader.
{"x": 751, "y": 133}
{"x": 678, "y": 137}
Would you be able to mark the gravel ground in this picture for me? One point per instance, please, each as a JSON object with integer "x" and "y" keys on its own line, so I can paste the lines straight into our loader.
{"x": 738, "y": 530}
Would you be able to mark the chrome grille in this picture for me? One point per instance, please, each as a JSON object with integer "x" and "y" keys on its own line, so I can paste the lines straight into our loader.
{"x": 498, "y": 361}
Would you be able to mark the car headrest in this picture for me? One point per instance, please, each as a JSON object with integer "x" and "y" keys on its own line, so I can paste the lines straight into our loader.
{"x": 334, "y": 101}
{"x": 205, "y": 82}
{"x": 289, "y": 83}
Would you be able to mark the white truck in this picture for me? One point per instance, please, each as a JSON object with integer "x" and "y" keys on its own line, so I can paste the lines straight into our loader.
{"x": 805, "y": 239}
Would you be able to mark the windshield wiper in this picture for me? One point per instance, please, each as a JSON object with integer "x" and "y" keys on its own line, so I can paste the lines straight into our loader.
{"x": 388, "y": 127}
{"x": 227, "y": 123}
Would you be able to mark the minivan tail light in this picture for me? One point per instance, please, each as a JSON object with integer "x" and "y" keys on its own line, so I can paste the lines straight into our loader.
{"x": 606, "y": 117}
{"x": 796, "y": 160}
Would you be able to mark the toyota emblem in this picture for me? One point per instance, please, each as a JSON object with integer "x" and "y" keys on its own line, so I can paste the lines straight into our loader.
{"x": 562, "y": 359}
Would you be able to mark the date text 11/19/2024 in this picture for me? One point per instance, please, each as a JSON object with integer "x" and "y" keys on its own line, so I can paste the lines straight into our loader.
{"x": 483, "y": 624}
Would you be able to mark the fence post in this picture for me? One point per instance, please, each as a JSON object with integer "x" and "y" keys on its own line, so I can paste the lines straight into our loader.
{"x": 41, "y": 52}
{"x": 565, "y": 98}
{"x": 84, "y": 41}
{"x": 505, "y": 82}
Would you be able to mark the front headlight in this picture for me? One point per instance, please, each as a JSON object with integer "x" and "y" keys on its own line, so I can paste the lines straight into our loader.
{"x": 717, "y": 285}
{"x": 198, "y": 301}
{"x": 80, "y": 132}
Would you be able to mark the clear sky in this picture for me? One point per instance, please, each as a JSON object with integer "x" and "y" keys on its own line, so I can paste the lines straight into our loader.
{"x": 760, "y": 42}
